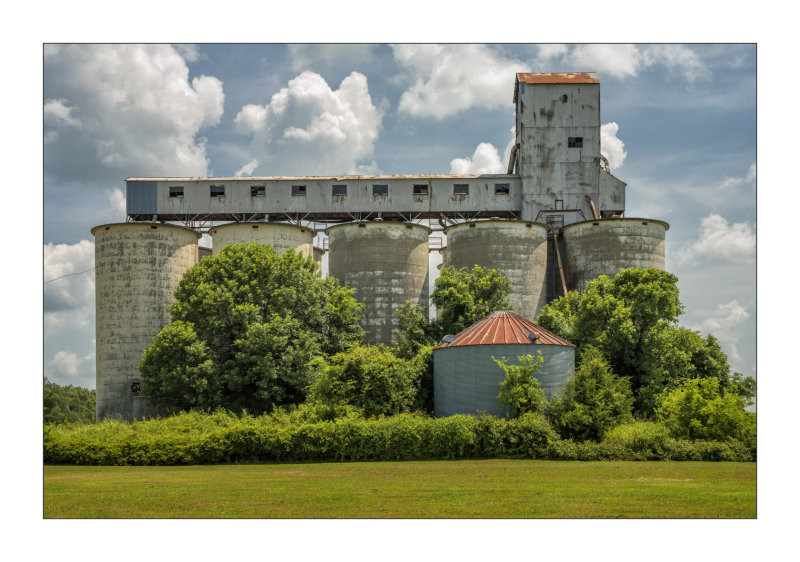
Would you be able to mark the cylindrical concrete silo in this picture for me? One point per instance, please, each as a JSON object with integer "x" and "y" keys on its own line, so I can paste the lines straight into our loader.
{"x": 517, "y": 249}
{"x": 607, "y": 246}
{"x": 279, "y": 236}
{"x": 466, "y": 380}
{"x": 318, "y": 253}
{"x": 137, "y": 269}
{"x": 386, "y": 263}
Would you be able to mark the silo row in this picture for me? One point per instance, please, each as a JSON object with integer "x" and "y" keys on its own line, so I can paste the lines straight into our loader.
{"x": 139, "y": 266}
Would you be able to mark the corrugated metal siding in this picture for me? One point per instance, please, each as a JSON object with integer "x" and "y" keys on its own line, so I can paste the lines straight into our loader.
{"x": 142, "y": 197}
{"x": 467, "y": 381}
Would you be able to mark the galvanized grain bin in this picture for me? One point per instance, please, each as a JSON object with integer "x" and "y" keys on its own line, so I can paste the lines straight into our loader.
{"x": 467, "y": 381}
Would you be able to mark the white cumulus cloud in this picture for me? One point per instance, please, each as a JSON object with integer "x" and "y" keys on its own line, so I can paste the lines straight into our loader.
{"x": 610, "y": 146}
{"x": 724, "y": 323}
{"x": 125, "y": 110}
{"x": 485, "y": 160}
{"x": 247, "y": 169}
{"x": 722, "y": 242}
{"x": 447, "y": 79}
{"x": 307, "y": 128}
{"x": 66, "y": 287}
{"x": 67, "y": 367}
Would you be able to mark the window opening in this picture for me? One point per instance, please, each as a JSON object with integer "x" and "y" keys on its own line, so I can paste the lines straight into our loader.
{"x": 575, "y": 142}
{"x": 380, "y": 190}
{"x": 217, "y": 191}
{"x": 298, "y": 190}
{"x": 258, "y": 190}
{"x": 176, "y": 191}
{"x": 420, "y": 189}
{"x": 461, "y": 189}
{"x": 340, "y": 190}
{"x": 502, "y": 188}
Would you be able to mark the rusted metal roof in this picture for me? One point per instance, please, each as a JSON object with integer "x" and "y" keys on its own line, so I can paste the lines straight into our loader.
{"x": 558, "y": 77}
{"x": 505, "y": 327}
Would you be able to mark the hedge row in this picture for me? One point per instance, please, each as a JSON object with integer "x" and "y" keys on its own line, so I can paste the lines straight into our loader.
{"x": 225, "y": 438}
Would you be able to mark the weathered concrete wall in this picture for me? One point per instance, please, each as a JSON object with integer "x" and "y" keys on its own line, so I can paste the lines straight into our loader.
{"x": 608, "y": 246}
{"x": 467, "y": 381}
{"x": 279, "y": 236}
{"x": 137, "y": 269}
{"x": 517, "y": 249}
{"x": 318, "y": 253}
{"x": 386, "y": 264}
{"x": 547, "y": 116}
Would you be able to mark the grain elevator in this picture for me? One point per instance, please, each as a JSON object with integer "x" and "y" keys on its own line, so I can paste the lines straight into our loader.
{"x": 555, "y": 220}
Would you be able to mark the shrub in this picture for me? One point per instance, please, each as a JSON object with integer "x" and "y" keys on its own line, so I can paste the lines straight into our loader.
{"x": 520, "y": 392}
{"x": 595, "y": 399}
{"x": 698, "y": 410}
{"x": 369, "y": 378}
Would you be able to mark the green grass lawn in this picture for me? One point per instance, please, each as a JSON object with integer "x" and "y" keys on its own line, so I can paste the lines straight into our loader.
{"x": 426, "y": 489}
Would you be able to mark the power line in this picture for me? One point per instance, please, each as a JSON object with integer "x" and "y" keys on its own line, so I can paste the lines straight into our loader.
{"x": 68, "y": 275}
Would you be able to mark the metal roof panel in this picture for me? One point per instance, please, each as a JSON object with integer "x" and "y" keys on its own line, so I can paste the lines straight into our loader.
{"x": 504, "y": 327}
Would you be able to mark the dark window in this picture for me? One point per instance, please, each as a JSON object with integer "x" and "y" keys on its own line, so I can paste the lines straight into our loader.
{"x": 298, "y": 190}
{"x": 575, "y": 142}
{"x": 420, "y": 190}
{"x": 258, "y": 190}
{"x": 176, "y": 191}
{"x": 340, "y": 190}
{"x": 502, "y": 188}
{"x": 217, "y": 191}
{"x": 380, "y": 190}
{"x": 461, "y": 189}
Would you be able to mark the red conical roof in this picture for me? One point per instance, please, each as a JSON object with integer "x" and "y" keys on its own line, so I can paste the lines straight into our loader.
{"x": 504, "y": 327}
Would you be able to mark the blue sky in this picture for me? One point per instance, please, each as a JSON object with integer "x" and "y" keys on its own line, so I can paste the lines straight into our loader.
{"x": 679, "y": 128}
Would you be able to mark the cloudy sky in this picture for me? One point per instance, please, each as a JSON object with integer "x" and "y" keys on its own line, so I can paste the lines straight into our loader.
{"x": 679, "y": 126}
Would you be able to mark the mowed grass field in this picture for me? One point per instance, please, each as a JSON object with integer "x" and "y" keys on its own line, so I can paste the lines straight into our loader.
{"x": 426, "y": 489}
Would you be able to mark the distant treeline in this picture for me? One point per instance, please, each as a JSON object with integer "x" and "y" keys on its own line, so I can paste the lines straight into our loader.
{"x": 68, "y": 404}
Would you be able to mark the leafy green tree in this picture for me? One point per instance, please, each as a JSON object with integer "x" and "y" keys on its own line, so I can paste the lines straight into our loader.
{"x": 464, "y": 296}
{"x": 414, "y": 331}
{"x": 632, "y": 320}
{"x": 699, "y": 409}
{"x": 520, "y": 392}
{"x": 369, "y": 378}
{"x": 178, "y": 372}
{"x": 271, "y": 365}
{"x": 68, "y": 404}
{"x": 594, "y": 400}
{"x": 246, "y": 325}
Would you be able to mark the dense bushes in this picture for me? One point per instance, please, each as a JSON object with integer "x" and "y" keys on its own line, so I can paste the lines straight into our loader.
{"x": 309, "y": 434}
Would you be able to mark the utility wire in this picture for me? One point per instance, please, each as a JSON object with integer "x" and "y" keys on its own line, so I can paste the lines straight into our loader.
{"x": 67, "y": 275}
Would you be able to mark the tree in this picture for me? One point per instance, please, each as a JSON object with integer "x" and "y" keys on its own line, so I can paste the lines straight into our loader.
{"x": 68, "y": 404}
{"x": 699, "y": 409}
{"x": 464, "y": 296}
{"x": 520, "y": 392}
{"x": 632, "y": 320}
{"x": 594, "y": 401}
{"x": 246, "y": 326}
{"x": 369, "y": 378}
{"x": 178, "y": 372}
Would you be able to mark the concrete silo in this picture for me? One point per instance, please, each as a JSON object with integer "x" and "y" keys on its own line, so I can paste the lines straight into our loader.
{"x": 607, "y": 246}
{"x": 137, "y": 268}
{"x": 386, "y": 263}
{"x": 517, "y": 249}
{"x": 466, "y": 380}
{"x": 279, "y": 236}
